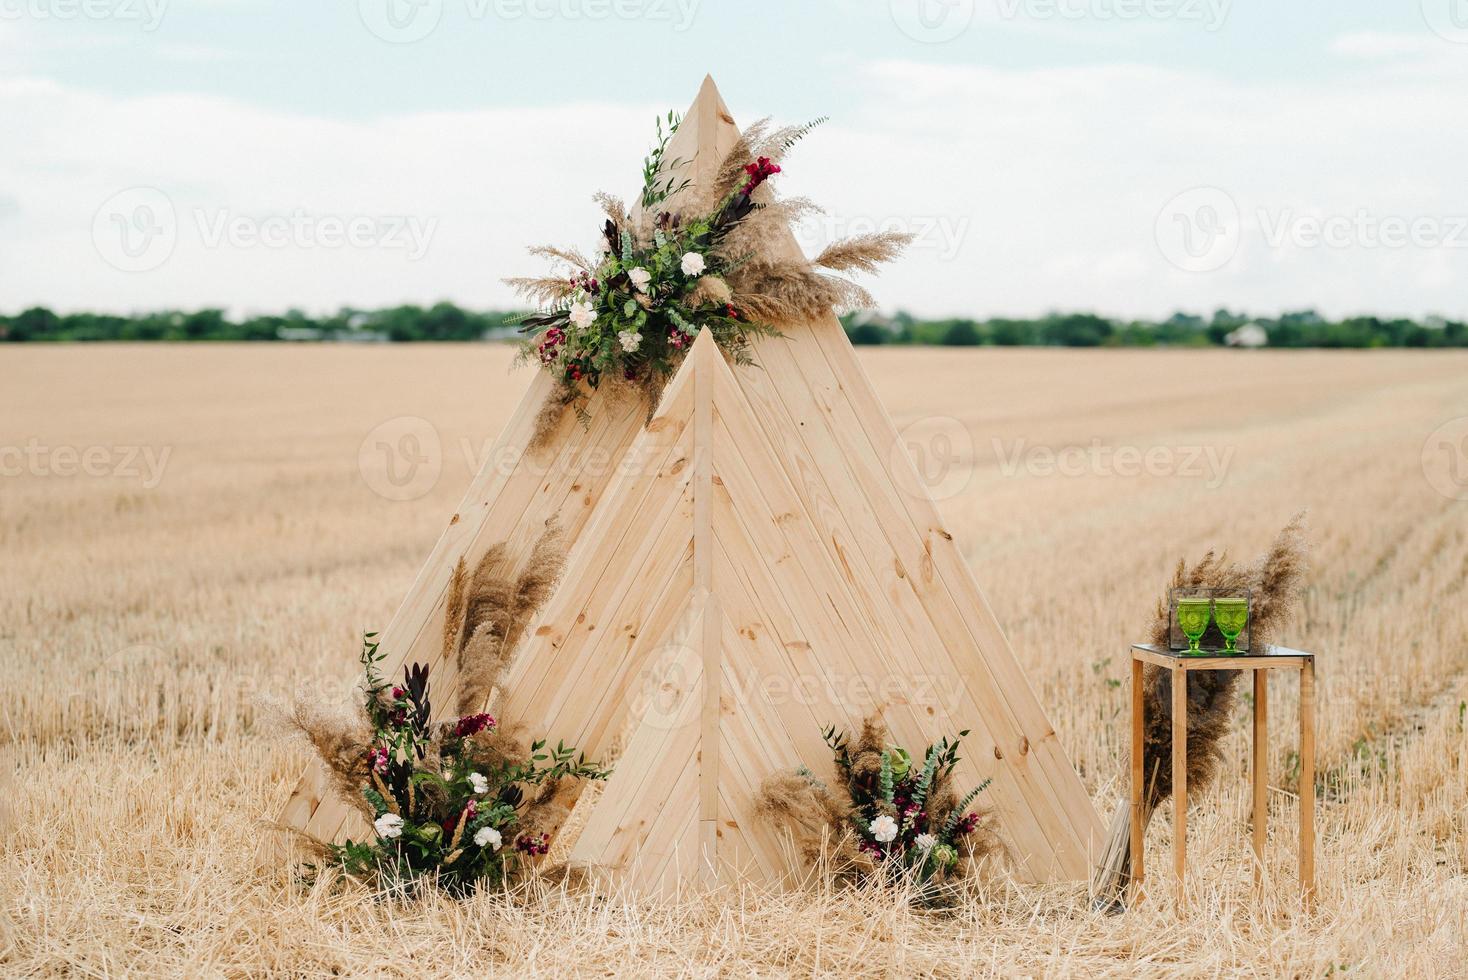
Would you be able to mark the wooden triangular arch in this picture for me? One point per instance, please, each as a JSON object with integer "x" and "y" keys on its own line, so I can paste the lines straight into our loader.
{"x": 755, "y": 563}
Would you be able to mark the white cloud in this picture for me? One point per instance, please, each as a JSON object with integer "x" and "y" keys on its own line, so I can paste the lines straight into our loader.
{"x": 1031, "y": 189}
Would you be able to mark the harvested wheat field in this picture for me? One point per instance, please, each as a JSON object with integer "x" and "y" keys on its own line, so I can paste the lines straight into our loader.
{"x": 186, "y": 530}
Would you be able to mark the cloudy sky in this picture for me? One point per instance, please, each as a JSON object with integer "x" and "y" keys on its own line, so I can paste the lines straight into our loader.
{"x": 1128, "y": 156}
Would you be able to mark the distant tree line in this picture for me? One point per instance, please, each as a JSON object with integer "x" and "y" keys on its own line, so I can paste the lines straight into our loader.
{"x": 445, "y": 321}
{"x": 1302, "y": 329}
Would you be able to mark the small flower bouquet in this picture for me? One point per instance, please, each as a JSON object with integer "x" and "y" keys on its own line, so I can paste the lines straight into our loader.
{"x": 887, "y": 816}
{"x": 686, "y": 259}
{"x": 447, "y": 798}
{"x": 903, "y": 814}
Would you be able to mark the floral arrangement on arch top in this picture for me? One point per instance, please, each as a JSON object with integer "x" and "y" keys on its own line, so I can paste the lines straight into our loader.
{"x": 688, "y": 258}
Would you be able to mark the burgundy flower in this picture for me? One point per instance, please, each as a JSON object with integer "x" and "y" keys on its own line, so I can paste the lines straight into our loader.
{"x": 968, "y": 824}
{"x": 377, "y": 759}
{"x": 759, "y": 172}
{"x": 533, "y": 844}
{"x": 472, "y": 725}
{"x": 397, "y": 693}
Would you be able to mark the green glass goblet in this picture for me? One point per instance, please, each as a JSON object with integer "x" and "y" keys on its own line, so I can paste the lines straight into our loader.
{"x": 1232, "y": 615}
{"x": 1193, "y": 614}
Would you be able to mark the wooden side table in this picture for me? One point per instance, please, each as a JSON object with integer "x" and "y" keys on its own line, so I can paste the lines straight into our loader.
{"x": 1260, "y": 662}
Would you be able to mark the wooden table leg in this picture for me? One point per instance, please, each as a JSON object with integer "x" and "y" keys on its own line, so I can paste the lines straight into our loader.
{"x": 1138, "y": 709}
{"x": 1179, "y": 776}
{"x": 1261, "y": 771}
{"x": 1307, "y": 782}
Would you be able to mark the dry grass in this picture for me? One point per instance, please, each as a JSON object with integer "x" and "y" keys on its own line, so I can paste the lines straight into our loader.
{"x": 137, "y": 625}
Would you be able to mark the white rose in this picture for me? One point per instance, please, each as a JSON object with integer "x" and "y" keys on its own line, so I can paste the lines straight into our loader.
{"x": 582, "y": 315}
{"x": 640, "y": 278}
{"x": 478, "y": 783}
{"x": 631, "y": 340}
{"x": 389, "y": 825}
{"x": 692, "y": 264}
{"x": 925, "y": 842}
{"x": 884, "y": 829}
{"x": 488, "y": 837}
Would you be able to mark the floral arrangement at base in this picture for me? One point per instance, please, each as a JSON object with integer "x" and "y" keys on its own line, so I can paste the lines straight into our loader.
{"x": 447, "y": 798}
{"x": 886, "y": 816}
{"x": 687, "y": 258}
{"x": 462, "y": 801}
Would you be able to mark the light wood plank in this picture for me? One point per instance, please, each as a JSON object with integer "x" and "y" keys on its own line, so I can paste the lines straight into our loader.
{"x": 1261, "y": 772}
{"x": 1179, "y": 779}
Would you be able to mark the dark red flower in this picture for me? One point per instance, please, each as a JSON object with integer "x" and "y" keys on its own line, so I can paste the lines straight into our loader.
{"x": 731, "y": 311}
{"x": 533, "y": 844}
{"x": 759, "y": 172}
{"x": 377, "y": 759}
{"x": 472, "y": 725}
{"x": 397, "y": 693}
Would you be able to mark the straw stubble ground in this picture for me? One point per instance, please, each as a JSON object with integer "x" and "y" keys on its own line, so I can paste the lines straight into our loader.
{"x": 141, "y": 617}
